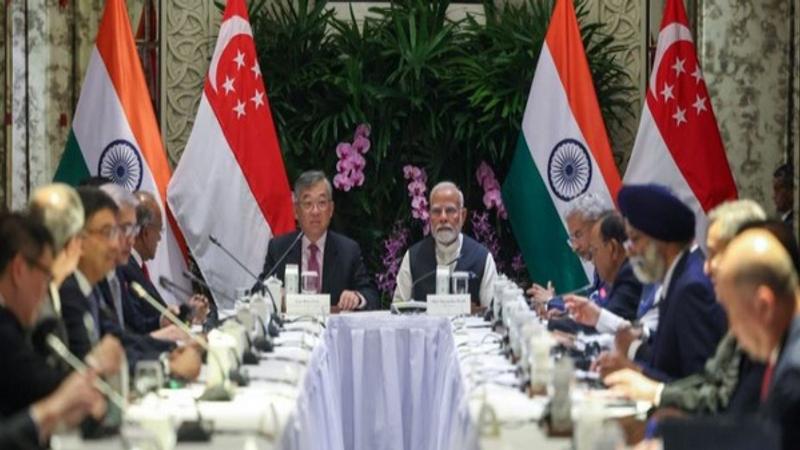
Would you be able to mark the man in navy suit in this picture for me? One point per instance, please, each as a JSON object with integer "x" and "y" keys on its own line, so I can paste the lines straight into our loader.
{"x": 660, "y": 233}
{"x": 758, "y": 286}
{"x": 336, "y": 256}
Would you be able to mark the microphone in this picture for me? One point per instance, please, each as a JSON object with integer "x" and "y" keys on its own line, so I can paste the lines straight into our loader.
{"x": 79, "y": 366}
{"x": 431, "y": 273}
{"x": 167, "y": 313}
{"x": 259, "y": 279}
{"x": 280, "y": 260}
{"x": 238, "y": 262}
{"x": 213, "y": 393}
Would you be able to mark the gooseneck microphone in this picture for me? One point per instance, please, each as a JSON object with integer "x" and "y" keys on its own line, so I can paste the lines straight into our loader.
{"x": 214, "y": 393}
{"x": 260, "y": 279}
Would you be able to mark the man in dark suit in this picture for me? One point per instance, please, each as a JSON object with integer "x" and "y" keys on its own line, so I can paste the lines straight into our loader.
{"x": 344, "y": 275}
{"x": 621, "y": 302}
{"x": 660, "y": 231}
{"x": 730, "y": 380}
{"x": 86, "y": 314}
{"x": 758, "y": 287}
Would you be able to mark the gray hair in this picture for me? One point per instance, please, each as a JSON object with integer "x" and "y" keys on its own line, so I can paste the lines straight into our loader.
{"x": 60, "y": 209}
{"x": 121, "y": 196}
{"x": 732, "y": 215}
{"x": 144, "y": 215}
{"x": 447, "y": 185}
{"x": 590, "y": 206}
{"x": 308, "y": 179}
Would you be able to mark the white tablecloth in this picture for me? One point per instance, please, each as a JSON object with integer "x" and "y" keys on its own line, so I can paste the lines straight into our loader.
{"x": 382, "y": 382}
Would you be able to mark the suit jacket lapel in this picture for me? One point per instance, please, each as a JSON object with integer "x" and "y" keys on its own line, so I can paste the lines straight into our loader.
{"x": 329, "y": 263}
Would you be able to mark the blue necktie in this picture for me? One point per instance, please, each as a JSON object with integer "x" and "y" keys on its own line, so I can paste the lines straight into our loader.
{"x": 648, "y": 299}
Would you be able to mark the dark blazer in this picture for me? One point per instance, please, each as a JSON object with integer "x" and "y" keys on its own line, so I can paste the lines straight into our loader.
{"x": 139, "y": 316}
{"x": 75, "y": 306}
{"x": 342, "y": 267}
{"x": 690, "y": 323}
{"x": 18, "y": 432}
{"x": 26, "y": 377}
{"x": 626, "y": 291}
{"x": 773, "y": 426}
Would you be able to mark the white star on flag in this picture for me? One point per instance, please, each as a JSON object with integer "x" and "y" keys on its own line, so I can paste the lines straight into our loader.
{"x": 697, "y": 74}
{"x": 239, "y": 59}
{"x": 258, "y": 99}
{"x": 700, "y": 104}
{"x": 667, "y": 92}
{"x": 239, "y": 109}
{"x": 256, "y": 69}
{"x": 678, "y": 66}
{"x": 680, "y": 116}
{"x": 228, "y": 85}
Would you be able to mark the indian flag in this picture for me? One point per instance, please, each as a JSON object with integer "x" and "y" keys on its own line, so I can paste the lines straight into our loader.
{"x": 562, "y": 153}
{"x": 114, "y": 132}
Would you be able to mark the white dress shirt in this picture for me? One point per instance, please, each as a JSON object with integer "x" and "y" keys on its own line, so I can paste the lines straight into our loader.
{"x": 444, "y": 255}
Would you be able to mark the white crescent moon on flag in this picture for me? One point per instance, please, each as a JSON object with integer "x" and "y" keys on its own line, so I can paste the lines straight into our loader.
{"x": 227, "y": 31}
{"x": 671, "y": 34}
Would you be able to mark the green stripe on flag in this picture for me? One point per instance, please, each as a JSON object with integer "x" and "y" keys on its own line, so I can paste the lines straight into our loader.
{"x": 537, "y": 226}
{"x": 72, "y": 168}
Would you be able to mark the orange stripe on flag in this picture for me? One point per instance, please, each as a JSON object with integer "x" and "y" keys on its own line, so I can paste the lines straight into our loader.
{"x": 118, "y": 51}
{"x": 566, "y": 48}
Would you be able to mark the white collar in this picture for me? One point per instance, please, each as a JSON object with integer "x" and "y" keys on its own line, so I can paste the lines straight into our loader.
{"x": 320, "y": 242}
{"x": 137, "y": 257}
{"x": 785, "y": 216}
{"x": 83, "y": 283}
{"x": 447, "y": 253}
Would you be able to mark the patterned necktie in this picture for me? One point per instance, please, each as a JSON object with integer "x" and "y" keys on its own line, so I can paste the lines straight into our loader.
{"x": 116, "y": 298}
{"x": 766, "y": 381}
{"x": 94, "y": 310}
{"x": 313, "y": 263}
{"x": 146, "y": 272}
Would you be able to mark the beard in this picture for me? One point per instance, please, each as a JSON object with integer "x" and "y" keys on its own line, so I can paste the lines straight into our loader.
{"x": 649, "y": 267}
{"x": 445, "y": 235}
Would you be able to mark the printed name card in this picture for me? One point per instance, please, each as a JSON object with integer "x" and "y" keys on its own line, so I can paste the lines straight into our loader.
{"x": 448, "y": 304}
{"x": 308, "y": 304}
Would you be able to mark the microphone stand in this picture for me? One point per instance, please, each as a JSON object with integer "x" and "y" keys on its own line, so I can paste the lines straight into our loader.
{"x": 218, "y": 392}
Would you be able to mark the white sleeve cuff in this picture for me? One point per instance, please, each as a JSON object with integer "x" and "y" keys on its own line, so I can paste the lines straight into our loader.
{"x": 609, "y": 322}
{"x": 633, "y": 348}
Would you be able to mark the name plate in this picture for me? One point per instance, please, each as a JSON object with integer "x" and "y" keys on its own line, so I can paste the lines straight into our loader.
{"x": 448, "y": 304}
{"x": 308, "y": 304}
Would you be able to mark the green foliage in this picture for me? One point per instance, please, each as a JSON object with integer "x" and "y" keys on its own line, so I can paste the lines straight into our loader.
{"x": 441, "y": 94}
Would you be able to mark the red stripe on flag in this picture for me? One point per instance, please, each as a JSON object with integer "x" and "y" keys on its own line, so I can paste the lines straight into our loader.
{"x": 241, "y": 106}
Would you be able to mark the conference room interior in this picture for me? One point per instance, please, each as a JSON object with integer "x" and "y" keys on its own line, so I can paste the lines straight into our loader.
{"x": 415, "y": 224}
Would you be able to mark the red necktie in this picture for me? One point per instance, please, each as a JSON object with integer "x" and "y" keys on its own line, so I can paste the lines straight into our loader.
{"x": 313, "y": 262}
{"x": 146, "y": 272}
{"x": 766, "y": 381}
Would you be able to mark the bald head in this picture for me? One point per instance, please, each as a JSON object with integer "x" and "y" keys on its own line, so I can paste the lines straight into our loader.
{"x": 758, "y": 287}
{"x": 151, "y": 223}
{"x": 59, "y": 208}
{"x": 756, "y": 258}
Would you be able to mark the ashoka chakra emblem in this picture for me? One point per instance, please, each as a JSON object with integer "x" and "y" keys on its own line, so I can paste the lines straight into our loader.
{"x": 569, "y": 170}
{"x": 121, "y": 163}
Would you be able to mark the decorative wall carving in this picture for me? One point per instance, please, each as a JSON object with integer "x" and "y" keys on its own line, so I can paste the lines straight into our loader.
{"x": 623, "y": 19}
{"x": 745, "y": 45}
{"x": 190, "y": 30}
{"x": 4, "y": 89}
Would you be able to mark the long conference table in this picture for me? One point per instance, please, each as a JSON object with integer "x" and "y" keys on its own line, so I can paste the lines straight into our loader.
{"x": 366, "y": 381}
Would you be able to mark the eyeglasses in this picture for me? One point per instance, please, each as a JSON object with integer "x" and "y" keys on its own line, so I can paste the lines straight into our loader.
{"x": 108, "y": 232}
{"x": 130, "y": 229}
{"x": 447, "y": 210}
{"x": 46, "y": 271}
{"x": 308, "y": 205}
